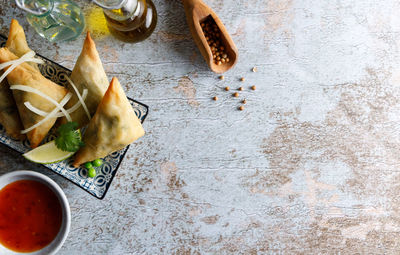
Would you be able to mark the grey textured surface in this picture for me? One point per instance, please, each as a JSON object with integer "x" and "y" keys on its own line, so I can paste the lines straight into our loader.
{"x": 310, "y": 165}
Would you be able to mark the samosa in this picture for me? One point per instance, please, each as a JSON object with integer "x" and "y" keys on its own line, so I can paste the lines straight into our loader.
{"x": 9, "y": 117}
{"x": 88, "y": 73}
{"x": 113, "y": 126}
{"x": 16, "y": 41}
{"x": 27, "y": 75}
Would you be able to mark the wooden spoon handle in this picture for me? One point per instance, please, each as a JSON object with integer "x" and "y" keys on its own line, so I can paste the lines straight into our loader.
{"x": 192, "y": 2}
{"x": 197, "y": 7}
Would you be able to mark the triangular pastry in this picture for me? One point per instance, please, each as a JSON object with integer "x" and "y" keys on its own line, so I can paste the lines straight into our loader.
{"x": 9, "y": 117}
{"x": 113, "y": 127}
{"x": 88, "y": 73}
{"x": 25, "y": 74}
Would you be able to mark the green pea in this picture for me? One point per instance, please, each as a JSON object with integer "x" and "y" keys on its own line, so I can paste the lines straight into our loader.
{"x": 88, "y": 165}
{"x": 91, "y": 172}
{"x": 97, "y": 162}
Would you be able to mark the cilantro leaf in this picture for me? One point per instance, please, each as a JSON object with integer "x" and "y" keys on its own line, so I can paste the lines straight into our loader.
{"x": 69, "y": 126}
{"x": 69, "y": 137}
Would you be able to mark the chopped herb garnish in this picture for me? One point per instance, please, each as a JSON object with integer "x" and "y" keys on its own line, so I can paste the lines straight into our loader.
{"x": 69, "y": 137}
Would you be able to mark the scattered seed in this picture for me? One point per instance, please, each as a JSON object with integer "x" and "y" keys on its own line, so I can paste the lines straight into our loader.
{"x": 215, "y": 98}
{"x": 235, "y": 94}
{"x": 227, "y": 88}
{"x": 241, "y": 107}
{"x": 240, "y": 88}
{"x": 244, "y": 101}
{"x": 254, "y": 69}
{"x": 242, "y": 79}
{"x": 253, "y": 87}
{"x": 221, "y": 77}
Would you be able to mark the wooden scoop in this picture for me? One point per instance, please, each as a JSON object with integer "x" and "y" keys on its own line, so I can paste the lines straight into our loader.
{"x": 196, "y": 12}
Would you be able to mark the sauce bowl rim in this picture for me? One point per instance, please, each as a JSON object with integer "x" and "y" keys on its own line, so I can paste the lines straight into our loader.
{"x": 55, "y": 245}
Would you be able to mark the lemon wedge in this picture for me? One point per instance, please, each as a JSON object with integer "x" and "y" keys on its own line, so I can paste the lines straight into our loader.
{"x": 47, "y": 153}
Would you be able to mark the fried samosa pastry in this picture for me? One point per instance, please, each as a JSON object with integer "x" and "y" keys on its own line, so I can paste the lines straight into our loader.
{"x": 113, "y": 127}
{"x": 9, "y": 117}
{"x": 27, "y": 75}
{"x": 16, "y": 41}
{"x": 88, "y": 73}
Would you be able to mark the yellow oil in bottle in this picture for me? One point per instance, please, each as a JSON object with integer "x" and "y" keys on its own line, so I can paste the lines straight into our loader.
{"x": 134, "y": 22}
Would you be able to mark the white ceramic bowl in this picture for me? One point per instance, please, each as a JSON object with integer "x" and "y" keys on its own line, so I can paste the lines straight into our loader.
{"x": 58, "y": 241}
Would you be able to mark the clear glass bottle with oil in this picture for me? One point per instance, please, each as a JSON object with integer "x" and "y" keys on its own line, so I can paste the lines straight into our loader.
{"x": 129, "y": 20}
{"x": 55, "y": 20}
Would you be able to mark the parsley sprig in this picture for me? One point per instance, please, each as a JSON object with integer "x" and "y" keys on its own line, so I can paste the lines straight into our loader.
{"x": 69, "y": 137}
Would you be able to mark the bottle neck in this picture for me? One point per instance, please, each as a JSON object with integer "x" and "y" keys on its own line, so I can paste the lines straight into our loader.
{"x": 110, "y": 4}
{"x": 36, "y": 7}
{"x": 131, "y": 8}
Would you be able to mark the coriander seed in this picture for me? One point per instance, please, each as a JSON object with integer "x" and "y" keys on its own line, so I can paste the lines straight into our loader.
{"x": 221, "y": 77}
{"x": 242, "y": 79}
{"x": 235, "y": 94}
{"x": 244, "y": 101}
{"x": 215, "y": 98}
{"x": 241, "y": 107}
{"x": 254, "y": 69}
{"x": 240, "y": 88}
{"x": 253, "y": 87}
{"x": 227, "y": 88}
{"x": 213, "y": 37}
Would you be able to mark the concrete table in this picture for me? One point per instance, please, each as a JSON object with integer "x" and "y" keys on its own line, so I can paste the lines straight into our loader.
{"x": 311, "y": 165}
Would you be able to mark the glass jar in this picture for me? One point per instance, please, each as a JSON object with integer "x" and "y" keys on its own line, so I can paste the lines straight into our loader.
{"x": 55, "y": 20}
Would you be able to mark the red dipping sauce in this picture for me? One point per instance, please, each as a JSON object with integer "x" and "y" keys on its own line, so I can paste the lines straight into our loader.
{"x": 30, "y": 216}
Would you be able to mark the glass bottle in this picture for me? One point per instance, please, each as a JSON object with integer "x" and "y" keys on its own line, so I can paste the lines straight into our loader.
{"x": 55, "y": 20}
{"x": 129, "y": 20}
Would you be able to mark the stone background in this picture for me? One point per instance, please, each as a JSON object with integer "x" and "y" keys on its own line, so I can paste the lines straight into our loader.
{"x": 311, "y": 166}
